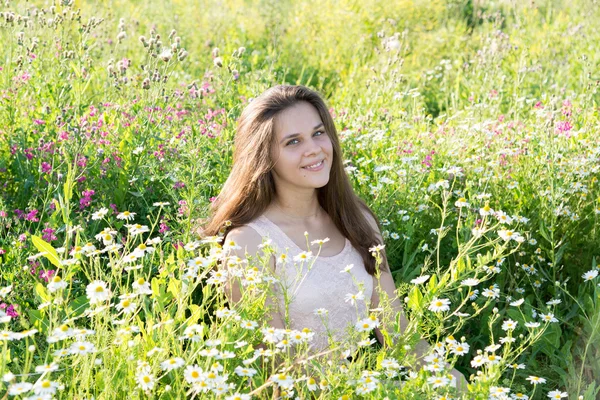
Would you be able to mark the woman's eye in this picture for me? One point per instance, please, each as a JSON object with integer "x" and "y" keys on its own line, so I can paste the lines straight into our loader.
{"x": 291, "y": 141}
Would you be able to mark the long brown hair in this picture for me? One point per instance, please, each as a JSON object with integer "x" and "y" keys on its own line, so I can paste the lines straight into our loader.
{"x": 250, "y": 187}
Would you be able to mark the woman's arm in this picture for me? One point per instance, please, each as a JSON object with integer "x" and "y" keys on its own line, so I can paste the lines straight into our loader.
{"x": 386, "y": 285}
{"x": 249, "y": 240}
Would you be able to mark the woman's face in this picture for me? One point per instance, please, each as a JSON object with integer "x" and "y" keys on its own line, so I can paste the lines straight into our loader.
{"x": 300, "y": 141}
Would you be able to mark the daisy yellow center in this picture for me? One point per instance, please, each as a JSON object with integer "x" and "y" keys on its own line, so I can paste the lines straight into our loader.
{"x": 142, "y": 246}
{"x": 126, "y": 213}
{"x": 107, "y": 237}
{"x": 82, "y": 348}
{"x": 211, "y": 375}
{"x": 365, "y": 325}
{"x": 46, "y": 384}
{"x": 439, "y": 303}
{"x": 126, "y": 303}
{"x": 56, "y": 279}
{"x": 141, "y": 281}
{"x": 99, "y": 289}
{"x": 147, "y": 379}
{"x": 195, "y": 374}
{"x": 282, "y": 377}
{"x": 64, "y": 328}
{"x": 172, "y": 361}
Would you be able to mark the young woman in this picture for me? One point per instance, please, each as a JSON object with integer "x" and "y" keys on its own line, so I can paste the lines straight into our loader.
{"x": 288, "y": 178}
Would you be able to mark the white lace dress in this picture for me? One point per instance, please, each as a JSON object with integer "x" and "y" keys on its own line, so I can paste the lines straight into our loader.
{"x": 322, "y": 286}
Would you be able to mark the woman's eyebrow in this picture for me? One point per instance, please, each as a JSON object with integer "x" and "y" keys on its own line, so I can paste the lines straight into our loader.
{"x": 293, "y": 135}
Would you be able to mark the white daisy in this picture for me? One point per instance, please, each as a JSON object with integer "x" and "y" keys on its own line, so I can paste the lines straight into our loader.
{"x": 126, "y": 215}
{"x": 98, "y": 292}
{"x": 421, "y": 279}
{"x": 439, "y": 305}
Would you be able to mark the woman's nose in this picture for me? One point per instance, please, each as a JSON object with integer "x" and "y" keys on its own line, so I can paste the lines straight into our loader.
{"x": 314, "y": 147}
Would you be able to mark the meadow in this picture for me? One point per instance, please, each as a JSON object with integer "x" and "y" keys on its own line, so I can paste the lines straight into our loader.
{"x": 469, "y": 127}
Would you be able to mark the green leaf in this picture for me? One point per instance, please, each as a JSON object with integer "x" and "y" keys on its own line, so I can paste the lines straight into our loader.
{"x": 39, "y": 322}
{"x": 78, "y": 306}
{"x": 174, "y": 287}
{"x": 41, "y": 291}
{"x": 46, "y": 248}
{"x": 415, "y": 299}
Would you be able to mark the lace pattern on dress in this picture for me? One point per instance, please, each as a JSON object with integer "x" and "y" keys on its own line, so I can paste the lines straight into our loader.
{"x": 318, "y": 284}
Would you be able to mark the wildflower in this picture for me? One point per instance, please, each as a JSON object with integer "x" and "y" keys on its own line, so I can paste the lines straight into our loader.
{"x": 492, "y": 292}
{"x": 136, "y": 229}
{"x": 439, "y": 305}
{"x": 146, "y": 380}
{"x": 320, "y": 311}
{"x": 241, "y": 371}
{"x": 557, "y": 394}
{"x": 142, "y": 249}
{"x": 462, "y": 202}
{"x": 126, "y": 215}
{"x": 284, "y": 380}
{"x": 352, "y": 298}
{"x": 45, "y": 387}
{"x": 161, "y": 204}
{"x": 492, "y": 359}
{"x": 534, "y": 380}
{"x": 517, "y": 303}
{"x": 304, "y": 256}
{"x": 238, "y": 396}
{"x": 126, "y": 305}
{"x": 46, "y": 368}
{"x": 470, "y": 282}
{"x": 509, "y": 325}
{"x": 56, "y": 283}
{"x": 193, "y": 373}
{"x": 532, "y": 324}
{"x": 319, "y": 242}
{"x": 499, "y": 392}
{"x": 98, "y": 292}
{"x": 460, "y": 349}
{"x": 419, "y": 280}
{"x": 477, "y": 361}
{"x": 548, "y": 317}
{"x": 101, "y": 213}
{"x": 141, "y": 286}
{"x": 172, "y": 363}
{"x": 365, "y": 325}
{"x": 250, "y": 325}
{"x": 508, "y": 234}
{"x": 19, "y": 388}
{"x": 438, "y": 381}
{"x": 82, "y": 348}
{"x": 553, "y": 302}
{"x": 347, "y": 268}
{"x": 486, "y": 210}
{"x": 588, "y": 276}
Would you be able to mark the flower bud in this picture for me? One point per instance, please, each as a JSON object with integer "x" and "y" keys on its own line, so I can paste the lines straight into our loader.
{"x": 146, "y": 84}
{"x": 218, "y": 62}
{"x": 166, "y": 55}
{"x": 215, "y": 52}
{"x": 182, "y": 55}
{"x": 173, "y": 32}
